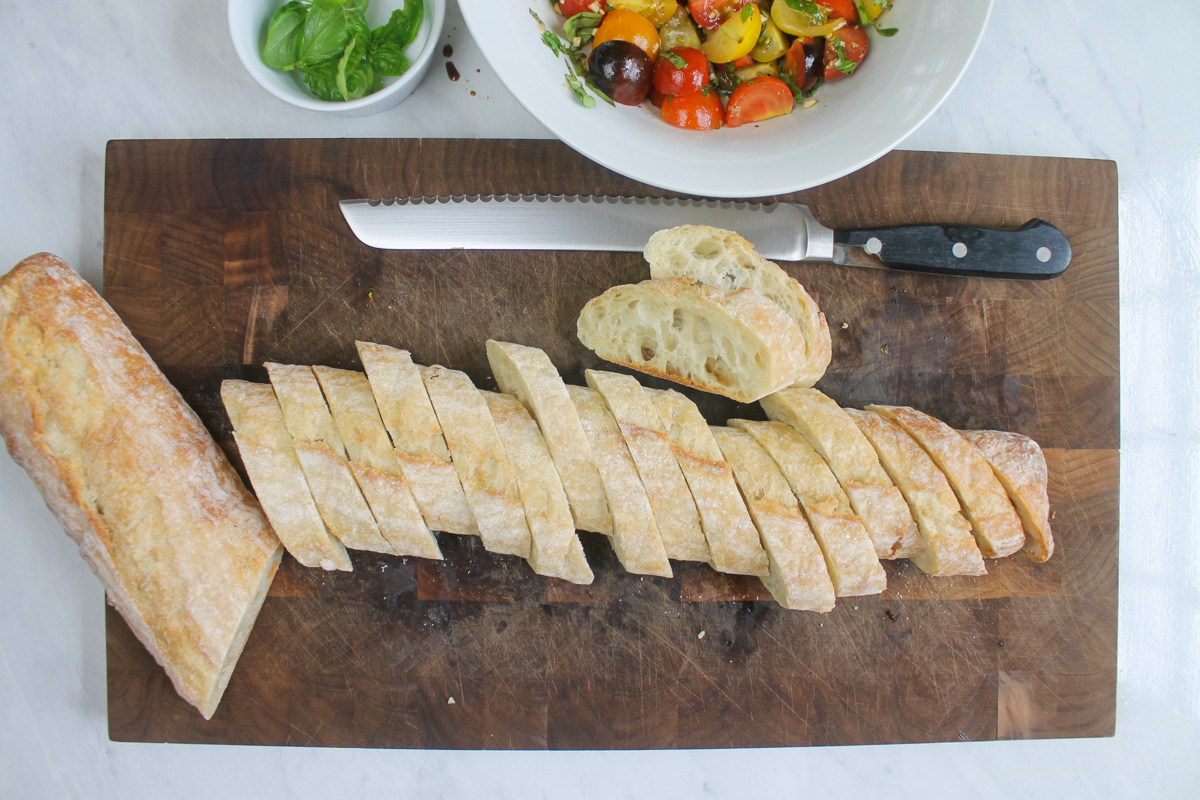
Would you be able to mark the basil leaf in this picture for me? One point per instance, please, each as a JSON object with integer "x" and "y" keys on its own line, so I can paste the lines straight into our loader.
{"x": 583, "y": 25}
{"x": 322, "y": 82}
{"x": 282, "y": 48}
{"x": 676, "y": 60}
{"x": 810, "y": 9}
{"x": 387, "y": 58}
{"x": 355, "y": 77}
{"x": 325, "y": 35}
{"x": 402, "y": 26}
{"x": 886, "y": 31}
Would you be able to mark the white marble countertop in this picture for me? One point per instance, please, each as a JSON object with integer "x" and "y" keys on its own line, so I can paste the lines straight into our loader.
{"x": 1100, "y": 79}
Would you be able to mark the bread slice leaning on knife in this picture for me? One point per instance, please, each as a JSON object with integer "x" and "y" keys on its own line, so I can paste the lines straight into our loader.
{"x": 726, "y": 260}
{"x": 183, "y": 550}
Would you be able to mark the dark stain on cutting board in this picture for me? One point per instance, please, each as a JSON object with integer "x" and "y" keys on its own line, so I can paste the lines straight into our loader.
{"x": 223, "y": 254}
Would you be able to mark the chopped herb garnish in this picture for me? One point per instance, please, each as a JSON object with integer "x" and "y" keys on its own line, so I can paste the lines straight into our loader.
{"x": 809, "y": 8}
{"x": 676, "y": 60}
{"x": 578, "y": 76}
{"x": 865, "y": 20}
{"x": 747, "y": 12}
{"x": 842, "y": 64}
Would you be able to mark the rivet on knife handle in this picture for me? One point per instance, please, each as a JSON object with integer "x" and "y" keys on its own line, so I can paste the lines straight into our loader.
{"x": 1037, "y": 250}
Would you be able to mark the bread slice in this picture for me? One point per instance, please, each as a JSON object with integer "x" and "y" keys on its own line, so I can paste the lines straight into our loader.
{"x": 322, "y": 456}
{"x": 874, "y": 497}
{"x": 799, "y": 577}
{"x": 733, "y": 541}
{"x": 528, "y": 375}
{"x": 483, "y": 469}
{"x": 737, "y": 344}
{"x": 270, "y": 461}
{"x": 635, "y": 536}
{"x": 993, "y": 519}
{"x": 648, "y": 443}
{"x": 849, "y": 554}
{"x": 555, "y": 549}
{"x": 724, "y": 259}
{"x": 373, "y": 462}
{"x": 417, "y": 438}
{"x": 949, "y": 546}
{"x": 183, "y": 550}
{"x": 1021, "y": 468}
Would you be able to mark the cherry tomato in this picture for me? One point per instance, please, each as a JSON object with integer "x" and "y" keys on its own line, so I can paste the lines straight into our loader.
{"x": 841, "y": 8}
{"x": 743, "y": 62}
{"x": 569, "y": 8}
{"x": 628, "y": 26}
{"x": 698, "y": 111}
{"x": 735, "y": 37}
{"x": 758, "y": 99}
{"x": 622, "y": 71}
{"x": 657, "y": 11}
{"x": 672, "y": 79}
{"x": 844, "y": 51}
{"x": 656, "y": 97}
{"x": 804, "y": 62}
{"x": 710, "y": 13}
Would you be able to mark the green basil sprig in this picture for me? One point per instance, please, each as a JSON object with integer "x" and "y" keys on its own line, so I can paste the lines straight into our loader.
{"x": 333, "y": 45}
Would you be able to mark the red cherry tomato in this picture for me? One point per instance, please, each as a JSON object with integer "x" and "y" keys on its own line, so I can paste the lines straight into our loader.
{"x": 845, "y": 49}
{"x": 804, "y": 62}
{"x": 758, "y": 99}
{"x": 569, "y": 8}
{"x": 709, "y": 13}
{"x": 698, "y": 111}
{"x": 656, "y": 97}
{"x": 743, "y": 62}
{"x": 841, "y": 8}
{"x": 672, "y": 79}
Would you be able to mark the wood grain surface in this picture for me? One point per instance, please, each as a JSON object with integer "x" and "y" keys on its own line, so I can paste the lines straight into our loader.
{"x": 223, "y": 254}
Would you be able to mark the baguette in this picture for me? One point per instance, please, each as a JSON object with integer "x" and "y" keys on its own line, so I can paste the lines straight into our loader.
{"x": 417, "y": 438}
{"x": 478, "y": 455}
{"x": 183, "y": 550}
{"x": 874, "y": 497}
{"x": 528, "y": 375}
{"x": 1020, "y": 465}
{"x": 993, "y": 519}
{"x": 723, "y": 259}
{"x": 849, "y": 554}
{"x": 270, "y": 460}
{"x": 635, "y": 536}
{"x": 650, "y": 447}
{"x": 373, "y": 462}
{"x": 733, "y": 540}
{"x": 322, "y": 456}
{"x": 737, "y": 344}
{"x": 949, "y": 548}
{"x": 799, "y": 577}
{"x": 555, "y": 549}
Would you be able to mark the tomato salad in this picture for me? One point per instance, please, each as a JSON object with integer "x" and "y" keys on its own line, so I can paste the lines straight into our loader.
{"x": 712, "y": 63}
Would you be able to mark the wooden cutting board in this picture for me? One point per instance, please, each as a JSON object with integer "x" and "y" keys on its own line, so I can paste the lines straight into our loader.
{"x": 223, "y": 254}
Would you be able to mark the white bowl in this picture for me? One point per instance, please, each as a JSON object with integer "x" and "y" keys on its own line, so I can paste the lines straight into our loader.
{"x": 902, "y": 82}
{"x": 248, "y": 21}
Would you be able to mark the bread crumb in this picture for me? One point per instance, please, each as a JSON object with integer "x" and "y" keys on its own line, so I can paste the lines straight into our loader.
{"x": 700, "y": 635}
{"x": 450, "y": 702}
{"x": 845, "y": 325}
{"x": 883, "y": 349}
{"x": 810, "y": 102}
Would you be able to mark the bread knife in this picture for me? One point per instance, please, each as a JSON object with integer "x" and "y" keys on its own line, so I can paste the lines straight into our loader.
{"x": 780, "y": 231}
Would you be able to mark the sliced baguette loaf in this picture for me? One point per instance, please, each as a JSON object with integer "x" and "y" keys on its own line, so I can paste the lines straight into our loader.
{"x": 648, "y": 443}
{"x": 528, "y": 375}
{"x": 849, "y": 554}
{"x": 993, "y": 519}
{"x": 635, "y": 536}
{"x": 733, "y": 541}
{"x": 799, "y": 577}
{"x": 270, "y": 460}
{"x": 417, "y": 438}
{"x": 322, "y": 456}
{"x": 723, "y": 259}
{"x": 555, "y": 549}
{"x": 737, "y": 344}
{"x": 874, "y": 497}
{"x": 1020, "y": 465}
{"x": 373, "y": 462}
{"x": 949, "y": 548}
{"x": 479, "y": 459}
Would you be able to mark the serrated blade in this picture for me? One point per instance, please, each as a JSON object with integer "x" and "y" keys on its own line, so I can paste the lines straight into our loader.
{"x": 782, "y": 231}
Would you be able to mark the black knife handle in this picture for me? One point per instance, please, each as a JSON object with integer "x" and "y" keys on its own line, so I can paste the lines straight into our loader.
{"x": 1037, "y": 250}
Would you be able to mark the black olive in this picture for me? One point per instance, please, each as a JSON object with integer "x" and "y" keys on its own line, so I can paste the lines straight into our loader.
{"x": 622, "y": 71}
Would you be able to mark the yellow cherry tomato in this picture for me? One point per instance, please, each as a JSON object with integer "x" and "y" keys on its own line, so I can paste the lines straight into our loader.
{"x": 657, "y": 11}
{"x": 736, "y": 36}
{"x": 876, "y": 7}
{"x": 628, "y": 26}
{"x": 798, "y": 23}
